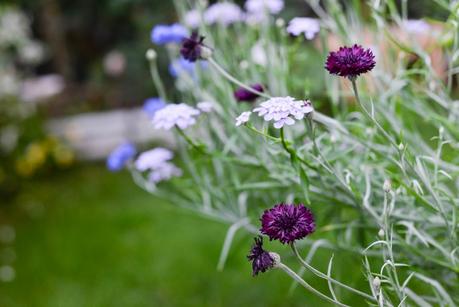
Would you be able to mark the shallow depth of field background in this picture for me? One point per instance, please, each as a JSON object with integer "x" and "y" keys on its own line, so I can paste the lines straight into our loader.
{"x": 74, "y": 234}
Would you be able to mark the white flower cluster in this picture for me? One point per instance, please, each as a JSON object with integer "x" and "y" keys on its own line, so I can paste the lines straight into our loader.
{"x": 309, "y": 26}
{"x": 223, "y": 13}
{"x": 281, "y": 110}
{"x": 260, "y": 6}
{"x": 180, "y": 115}
{"x": 156, "y": 161}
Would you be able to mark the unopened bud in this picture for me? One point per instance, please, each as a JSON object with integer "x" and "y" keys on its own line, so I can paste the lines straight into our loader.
{"x": 387, "y": 186}
{"x": 244, "y": 65}
{"x": 381, "y": 233}
{"x": 277, "y": 259}
{"x": 377, "y": 284}
{"x": 151, "y": 55}
{"x": 280, "y": 23}
{"x": 401, "y": 146}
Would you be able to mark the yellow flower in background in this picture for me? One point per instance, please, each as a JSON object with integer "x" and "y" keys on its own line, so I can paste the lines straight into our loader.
{"x": 36, "y": 155}
{"x": 63, "y": 156}
{"x": 24, "y": 168}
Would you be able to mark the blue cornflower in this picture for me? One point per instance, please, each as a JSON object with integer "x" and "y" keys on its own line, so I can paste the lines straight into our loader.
{"x": 180, "y": 66}
{"x": 120, "y": 156}
{"x": 151, "y": 105}
{"x": 165, "y": 34}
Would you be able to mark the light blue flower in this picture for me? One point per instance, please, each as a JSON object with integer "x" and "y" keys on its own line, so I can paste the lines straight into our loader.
{"x": 165, "y": 34}
{"x": 151, "y": 105}
{"x": 120, "y": 156}
{"x": 182, "y": 66}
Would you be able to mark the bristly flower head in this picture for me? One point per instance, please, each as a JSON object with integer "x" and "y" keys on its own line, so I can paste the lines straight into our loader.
{"x": 283, "y": 110}
{"x": 287, "y": 222}
{"x": 261, "y": 259}
{"x": 166, "y": 34}
{"x": 193, "y": 48}
{"x": 120, "y": 156}
{"x": 180, "y": 115}
{"x": 242, "y": 94}
{"x": 350, "y": 62}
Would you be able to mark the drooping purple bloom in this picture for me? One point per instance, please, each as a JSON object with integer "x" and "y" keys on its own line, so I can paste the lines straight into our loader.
{"x": 350, "y": 62}
{"x": 287, "y": 222}
{"x": 261, "y": 259}
{"x": 166, "y": 34}
{"x": 120, "y": 156}
{"x": 192, "y": 47}
{"x": 242, "y": 94}
{"x": 151, "y": 105}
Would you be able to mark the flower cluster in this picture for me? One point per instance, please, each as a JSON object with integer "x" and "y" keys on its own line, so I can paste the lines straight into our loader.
{"x": 260, "y": 6}
{"x": 287, "y": 223}
{"x": 223, "y": 13}
{"x": 166, "y": 34}
{"x": 242, "y": 94}
{"x": 309, "y": 26}
{"x": 152, "y": 105}
{"x": 180, "y": 115}
{"x": 283, "y": 110}
{"x": 156, "y": 161}
{"x": 120, "y": 156}
{"x": 350, "y": 62}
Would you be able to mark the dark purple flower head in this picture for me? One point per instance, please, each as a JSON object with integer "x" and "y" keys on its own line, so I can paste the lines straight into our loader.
{"x": 261, "y": 259}
{"x": 242, "y": 94}
{"x": 193, "y": 48}
{"x": 350, "y": 61}
{"x": 287, "y": 223}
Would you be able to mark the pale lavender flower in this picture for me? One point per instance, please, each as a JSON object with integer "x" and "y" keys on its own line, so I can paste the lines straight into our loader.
{"x": 223, "y": 13}
{"x": 283, "y": 110}
{"x": 163, "y": 172}
{"x": 153, "y": 159}
{"x": 416, "y": 26}
{"x": 243, "y": 118}
{"x": 309, "y": 26}
{"x": 156, "y": 161}
{"x": 180, "y": 115}
{"x": 193, "y": 19}
{"x": 205, "y": 106}
{"x": 260, "y": 6}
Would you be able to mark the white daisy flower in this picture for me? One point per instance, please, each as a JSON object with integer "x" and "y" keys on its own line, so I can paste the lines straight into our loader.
{"x": 223, "y": 13}
{"x": 181, "y": 115}
{"x": 283, "y": 110}
{"x": 309, "y": 26}
{"x": 243, "y": 118}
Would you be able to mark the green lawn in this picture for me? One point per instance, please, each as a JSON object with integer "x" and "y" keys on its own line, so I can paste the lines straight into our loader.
{"x": 92, "y": 238}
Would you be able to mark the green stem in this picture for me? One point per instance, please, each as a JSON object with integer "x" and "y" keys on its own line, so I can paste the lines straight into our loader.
{"x": 191, "y": 142}
{"x": 292, "y": 151}
{"x": 234, "y": 80}
{"x": 157, "y": 79}
{"x": 307, "y": 286}
{"x": 324, "y": 276}
{"x": 252, "y": 128}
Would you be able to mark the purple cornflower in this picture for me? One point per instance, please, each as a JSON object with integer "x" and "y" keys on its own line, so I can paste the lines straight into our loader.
{"x": 165, "y": 34}
{"x": 350, "y": 62}
{"x": 152, "y": 105}
{"x": 261, "y": 259}
{"x": 120, "y": 156}
{"x": 193, "y": 49}
{"x": 242, "y": 94}
{"x": 287, "y": 223}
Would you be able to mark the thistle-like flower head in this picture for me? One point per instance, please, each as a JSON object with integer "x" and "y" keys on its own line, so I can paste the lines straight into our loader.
{"x": 350, "y": 62}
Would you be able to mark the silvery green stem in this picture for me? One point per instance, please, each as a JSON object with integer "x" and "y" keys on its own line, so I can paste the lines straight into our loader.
{"x": 225, "y": 74}
{"x": 307, "y": 286}
{"x": 198, "y": 147}
{"x": 157, "y": 79}
{"x": 324, "y": 276}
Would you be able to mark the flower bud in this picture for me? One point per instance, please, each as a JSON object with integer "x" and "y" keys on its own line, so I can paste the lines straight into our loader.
{"x": 151, "y": 54}
{"x": 401, "y": 146}
{"x": 377, "y": 284}
{"x": 206, "y": 53}
{"x": 381, "y": 233}
{"x": 387, "y": 186}
{"x": 280, "y": 23}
